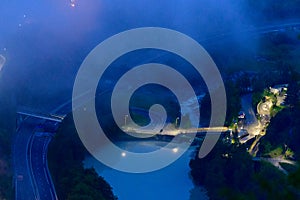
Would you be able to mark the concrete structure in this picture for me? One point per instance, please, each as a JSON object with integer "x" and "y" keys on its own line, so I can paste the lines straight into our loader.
{"x": 277, "y": 89}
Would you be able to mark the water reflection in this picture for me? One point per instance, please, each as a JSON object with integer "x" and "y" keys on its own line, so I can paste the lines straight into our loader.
{"x": 172, "y": 182}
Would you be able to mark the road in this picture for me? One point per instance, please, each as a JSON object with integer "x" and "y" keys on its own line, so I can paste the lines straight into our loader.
{"x": 40, "y": 172}
{"x": 32, "y": 178}
{"x": 276, "y": 162}
{"x": 246, "y": 101}
{"x": 23, "y": 182}
{"x": 264, "y": 110}
{"x": 252, "y": 125}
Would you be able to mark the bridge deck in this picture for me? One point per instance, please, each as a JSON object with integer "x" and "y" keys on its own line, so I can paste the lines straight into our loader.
{"x": 56, "y": 118}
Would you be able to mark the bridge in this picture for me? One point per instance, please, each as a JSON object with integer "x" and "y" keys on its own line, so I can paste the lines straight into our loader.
{"x": 34, "y": 132}
{"x": 174, "y": 132}
{"x": 22, "y": 115}
{"x": 206, "y": 130}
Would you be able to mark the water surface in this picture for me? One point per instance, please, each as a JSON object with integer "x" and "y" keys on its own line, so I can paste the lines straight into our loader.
{"x": 172, "y": 182}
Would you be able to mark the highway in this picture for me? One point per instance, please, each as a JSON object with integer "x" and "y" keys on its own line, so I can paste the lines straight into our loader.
{"x": 22, "y": 179}
{"x": 32, "y": 178}
{"x": 40, "y": 173}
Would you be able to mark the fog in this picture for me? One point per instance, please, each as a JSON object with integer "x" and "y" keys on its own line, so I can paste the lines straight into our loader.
{"x": 45, "y": 42}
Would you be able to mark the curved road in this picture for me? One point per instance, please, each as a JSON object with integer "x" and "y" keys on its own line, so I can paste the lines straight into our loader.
{"x": 40, "y": 172}
{"x": 23, "y": 182}
{"x": 31, "y": 174}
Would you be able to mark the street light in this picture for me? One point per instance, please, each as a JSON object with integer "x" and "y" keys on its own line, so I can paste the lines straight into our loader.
{"x": 125, "y": 120}
{"x": 72, "y": 3}
{"x": 175, "y": 150}
{"x": 176, "y": 122}
{"x": 2, "y": 61}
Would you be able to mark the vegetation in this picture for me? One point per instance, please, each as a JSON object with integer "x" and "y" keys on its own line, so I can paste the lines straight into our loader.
{"x": 288, "y": 167}
{"x": 276, "y": 152}
{"x": 233, "y": 92}
{"x": 276, "y": 109}
{"x": 7, "y": 127}
{"x": 289, "y": 153}
{"x": 228, "y": 172}
{"x": 268, "y": 10}
{"x": 163, "y": 96}
{"x": 6, "y": 189}
{"x": 282, "y": 130}
{"x": 71, "y": 180}
{"x": 256, "y": 98}
{"x": 5, "y": 143}
{"x": 294, "y": 178}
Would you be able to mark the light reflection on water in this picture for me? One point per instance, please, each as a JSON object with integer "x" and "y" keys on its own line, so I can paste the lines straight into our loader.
{"x": 172, "y": 182}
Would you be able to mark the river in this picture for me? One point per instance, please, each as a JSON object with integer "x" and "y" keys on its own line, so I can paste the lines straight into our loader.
{"x": 171, "y": 182}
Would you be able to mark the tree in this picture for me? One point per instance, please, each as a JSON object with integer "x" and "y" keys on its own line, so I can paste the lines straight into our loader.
{"x": 72, "y": 181}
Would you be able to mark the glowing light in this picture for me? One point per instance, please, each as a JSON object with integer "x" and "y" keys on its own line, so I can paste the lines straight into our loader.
{"x": 72, "y": 3}
{"x": 123, "y": 154}
{"x": 175, "y": 150}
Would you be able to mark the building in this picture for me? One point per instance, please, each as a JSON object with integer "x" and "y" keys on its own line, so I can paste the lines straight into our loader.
{"x": 277, "y": 89}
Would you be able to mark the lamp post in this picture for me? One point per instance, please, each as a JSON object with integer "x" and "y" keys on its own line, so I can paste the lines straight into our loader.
{"x": 125, "y": 120}
{"x": 176, "y": 122}
{"x": 2, "y": 61}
